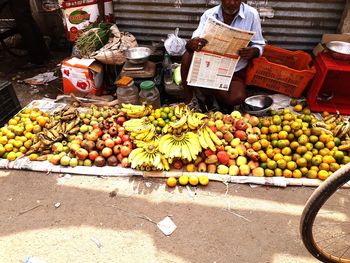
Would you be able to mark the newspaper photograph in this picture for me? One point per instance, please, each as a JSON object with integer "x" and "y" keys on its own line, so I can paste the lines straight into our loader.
{"x": 214, "y": 65}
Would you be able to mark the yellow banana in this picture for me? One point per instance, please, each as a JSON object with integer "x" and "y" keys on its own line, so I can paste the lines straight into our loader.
{"x": 213, "y": 136}
{"x": 208, "y": 140}
{"x": 202, "y": 140}
{"x": 134, "y": 152}
{"x": 179, "y": 122}
{"x": 192, "y": 122}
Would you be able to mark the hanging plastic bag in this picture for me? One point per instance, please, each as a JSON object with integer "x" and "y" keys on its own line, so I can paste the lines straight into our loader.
{"x": 174, "y": 45}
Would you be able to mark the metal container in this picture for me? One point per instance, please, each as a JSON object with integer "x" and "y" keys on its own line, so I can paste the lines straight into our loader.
{"x": 339, "y": 49}
{"x": 257, "y": 105}
{"x": 137, "y": 55}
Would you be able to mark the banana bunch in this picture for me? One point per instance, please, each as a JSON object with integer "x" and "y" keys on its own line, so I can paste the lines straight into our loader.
{"x": 136, "y": 111}
{"x": 147, "y": 157}
{"x": 184, "y": 146}
{"x": 333, "y": 118}
{"x": 140, "y": 129}
{"x": 60, "y": 125}
{"x": 342, "y": 130}
{"x": 208, "y": 139}
{"x": 187, "y": 119}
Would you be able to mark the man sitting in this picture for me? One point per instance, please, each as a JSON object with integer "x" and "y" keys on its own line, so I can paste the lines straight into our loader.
{"x": 239, "y": 15}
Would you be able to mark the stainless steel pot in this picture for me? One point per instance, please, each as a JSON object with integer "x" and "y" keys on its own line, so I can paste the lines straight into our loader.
{"x": 339, "y": 49}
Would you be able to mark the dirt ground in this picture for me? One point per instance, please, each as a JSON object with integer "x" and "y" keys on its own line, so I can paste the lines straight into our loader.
{"x": 214, "y": 224}
{"x": 238, "y": 223}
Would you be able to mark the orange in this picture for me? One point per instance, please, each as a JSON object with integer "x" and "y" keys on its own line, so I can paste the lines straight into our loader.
{"x": 323, "y": 175}
{"x": 171, "y": 181}
{"x": 203, "y": 180}
{"x": 298, "y": 108}
{"x": 287, "y": 173}
{"x": 183, "y": 179}
{"x": 193, "y": 180}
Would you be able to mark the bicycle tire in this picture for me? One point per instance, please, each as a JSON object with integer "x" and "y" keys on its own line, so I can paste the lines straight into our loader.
{"x": 313, "y": 206}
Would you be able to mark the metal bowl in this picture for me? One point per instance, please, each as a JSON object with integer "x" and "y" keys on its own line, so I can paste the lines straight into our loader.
{"x": 257, "y": 105}
{"x": 339, "y": 49}
{"x": 137, "y": 55}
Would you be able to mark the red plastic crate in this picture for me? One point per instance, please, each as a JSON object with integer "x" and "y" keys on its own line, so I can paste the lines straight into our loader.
{"x": 329, "y": 90}
{"x": 281, "y": 70}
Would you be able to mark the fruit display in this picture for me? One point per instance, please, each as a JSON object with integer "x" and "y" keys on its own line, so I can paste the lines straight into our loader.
{"x": 289, "y": 143}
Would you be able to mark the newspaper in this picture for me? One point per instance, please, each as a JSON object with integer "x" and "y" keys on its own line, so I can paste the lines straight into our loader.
{"x": 214, "y": 65}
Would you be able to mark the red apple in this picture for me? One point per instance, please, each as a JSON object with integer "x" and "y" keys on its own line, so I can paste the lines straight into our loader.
{"x": 117, "y": 140}
{"x": 223, "y": 157}
{"x": 208, "y": 152}
{"x": 241, "y": 125}
{"x": 125, "y": 138}
{"x": 82, "y": 154}
{"x": 121, "y": 132}
{"x": 228, "y": 119}
{"x": 254, "y": 121}
{"x": 93, "y": 155}
{"x": 121, "y": 120}
{"x": 241, "y": 135}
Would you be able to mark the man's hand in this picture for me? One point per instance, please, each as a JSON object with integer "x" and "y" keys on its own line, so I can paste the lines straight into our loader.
{"x": 249, "y": 52}
{"x": 196, "y": 44}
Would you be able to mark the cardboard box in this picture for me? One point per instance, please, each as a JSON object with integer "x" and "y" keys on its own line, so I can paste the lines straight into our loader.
{"x": 328, "y": 38}
{"x": 82, "y": 76}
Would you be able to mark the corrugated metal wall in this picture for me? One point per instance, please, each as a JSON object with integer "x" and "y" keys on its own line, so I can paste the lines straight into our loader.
{"x": 288, "y": 24}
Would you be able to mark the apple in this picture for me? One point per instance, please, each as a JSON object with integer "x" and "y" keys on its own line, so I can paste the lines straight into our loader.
{"x": 223, "y": 157}
{"x": 236, "y": 114}
{"x": 241, "y": 125}
{"x": 213, "y": 128}
{"x": 231, "y": 162}
{"x": 120, "y": 157}
{"x": 211, "y": 168}
{"x": 98, "y": 131}
{"x": 125, "y": 150}
{"x": 87, "y": 162}
{"x": 208, "y": 152}
{"x": 241, "y": 135}
{"x": 100, "y": 144}
{"x": 57, "y": 147}
{"x": 113, "y": 130}
{"x": 73, "y": 162}
{"x": 228, "y": 136}
{"x": 202, "y": 167}
{"x": 55, "y": 159}
{"x": 121, "y": 120}
{"x": 233, "y": 170}
{"x": 106, "y": 152}
{"x": 252, "y": 138}
{"x": 74, "y": 147}
{"x": 253, "y": 164}
{"x": 232, "y": 153}
{"x": 117, "y": 148}
{"x": 219, "y": 124}
{"x": 228, "y": 119}
{"x": 177, "y": 164}
{"x": 254, "y": 121}
{"x": 244, "y": 170}
{"x": 218, "y": 115}
{"x": 125, "y": 163}
{"x": 222, "y": 169}
{"x": 91, "y": 136}
{"x": 112, "y": 160}
{"x": 121, "y": 132}
{"x": 109, "y": 142}
{"x": 88, "y": 145}
{"x": 100, "y": 161}
{"x": 258, "y": 171}
{"x": 117, "y": 140}
{"x": 93, "y": 155}
{"x": 65, "y": 160}
{"x": 125, "y": 138}
{"x": 82, "y": 154}
{"x": 211, "y": 159}
{"x": 106, "y": 136}
{"x": 219, "y": 134}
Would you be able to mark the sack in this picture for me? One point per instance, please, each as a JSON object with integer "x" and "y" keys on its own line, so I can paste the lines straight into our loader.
{"x": 174, "y": 45}
{"x": 113, "y": 52}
